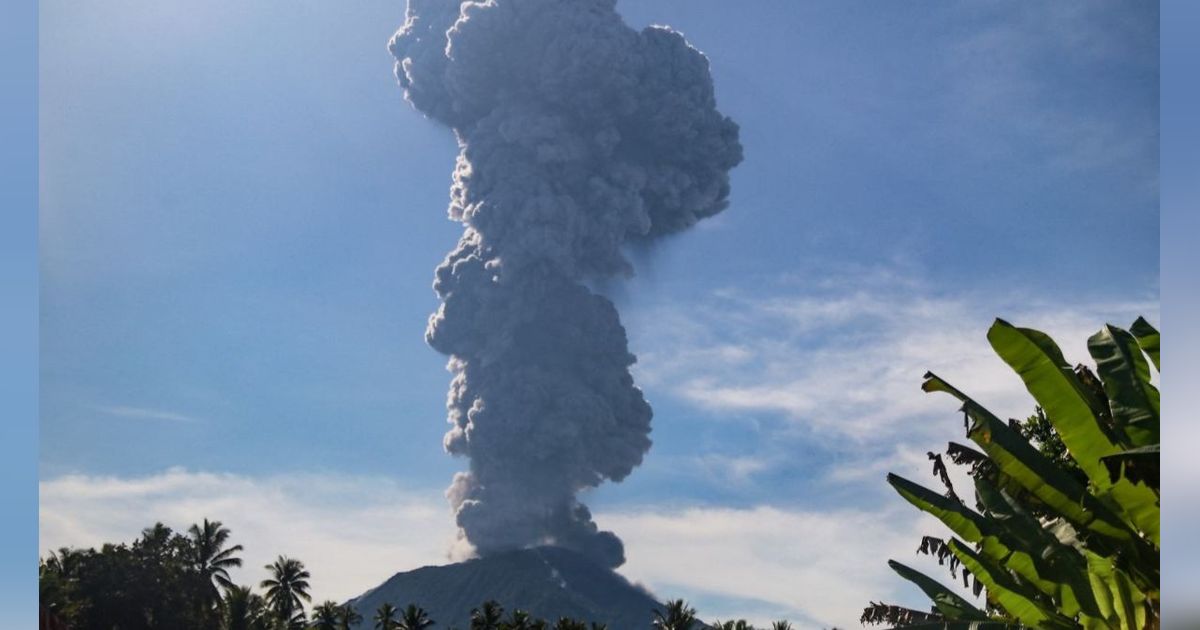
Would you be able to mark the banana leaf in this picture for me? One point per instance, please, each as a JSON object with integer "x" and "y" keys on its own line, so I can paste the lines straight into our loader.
{"x": 1075, "y": 414}
{"x": 1045, "y": 562}
{"x": 1069, "y": 406}
{"x": 1016, "y": 600}
{"x": 1119, "y": 598}
{"x": 1032, "y": 470}
{"x": 959, "y": 518}
{"x": 947, "y": 602}
{"x": 1148, "y": 338}
{"x": 1123, "y": 368}
{"x": 1139, "y": 465}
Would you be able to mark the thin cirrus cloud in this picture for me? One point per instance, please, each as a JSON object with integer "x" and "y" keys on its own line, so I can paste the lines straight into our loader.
{"x": 849, "y": 363}
{"x": 143, "y": 413}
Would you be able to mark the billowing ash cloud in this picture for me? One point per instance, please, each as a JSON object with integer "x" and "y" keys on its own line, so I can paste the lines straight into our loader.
{"x": 577, "y": 134}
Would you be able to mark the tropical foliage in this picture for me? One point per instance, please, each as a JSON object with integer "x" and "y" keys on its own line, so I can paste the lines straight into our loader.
{"x": 287, "y": 590}
{"x": 385, "y": 617}
{"x": 1064, "y": 530}
{"x": 677, "y": 616}
{"x": 155, "y": 582}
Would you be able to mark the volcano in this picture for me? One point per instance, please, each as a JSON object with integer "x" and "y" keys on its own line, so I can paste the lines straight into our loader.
{"x": 547, "y": 582}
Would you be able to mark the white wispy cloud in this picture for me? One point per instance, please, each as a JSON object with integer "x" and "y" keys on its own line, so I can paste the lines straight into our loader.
{"x": 848, "y": 361}
{"x": 142, "y": 413}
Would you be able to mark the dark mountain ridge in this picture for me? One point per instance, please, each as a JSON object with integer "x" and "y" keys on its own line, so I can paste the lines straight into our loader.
{"x": 547, "y": 582}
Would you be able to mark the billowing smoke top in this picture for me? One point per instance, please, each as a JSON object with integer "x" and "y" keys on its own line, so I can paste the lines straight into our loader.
{"x": 577, "y": 134}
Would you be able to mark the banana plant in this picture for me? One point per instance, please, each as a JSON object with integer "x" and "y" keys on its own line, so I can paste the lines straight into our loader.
{"x": 1051, "y": 547}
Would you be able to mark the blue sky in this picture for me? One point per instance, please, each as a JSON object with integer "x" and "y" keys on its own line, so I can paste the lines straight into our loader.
{"x": 240, "y": 218}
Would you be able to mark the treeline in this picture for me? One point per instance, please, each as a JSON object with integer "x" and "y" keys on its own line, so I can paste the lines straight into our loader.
{"x": 166, "y": 580}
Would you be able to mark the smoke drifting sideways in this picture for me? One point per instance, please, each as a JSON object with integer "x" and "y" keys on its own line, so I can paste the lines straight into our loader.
{"x": 577, "y": 134}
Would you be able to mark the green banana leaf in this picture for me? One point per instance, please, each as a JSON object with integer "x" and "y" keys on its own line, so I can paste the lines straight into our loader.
{"x": 1148, "y": 338}
{"x": 1123, "y": 368}
{"x": 975, "y": 528}
{"x": 1075, "y": 416}
{"x": 947, "y": 602}
{"x": 1139, "y": 465}
{"x": 1038, "y": 556}
{"x": 1024, "y": 464}
{"x": 959, "y": 518}
{"x": 1121, "y": 601}
{"x": 1050, "y": 379}
{"x": 1017, "y": 601}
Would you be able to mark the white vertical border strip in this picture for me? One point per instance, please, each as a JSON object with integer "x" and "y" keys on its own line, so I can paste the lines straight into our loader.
{"x": 1180, "y": 260}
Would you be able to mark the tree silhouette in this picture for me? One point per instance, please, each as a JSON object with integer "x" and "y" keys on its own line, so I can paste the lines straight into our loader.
{"x": 210, "y": 559}
{"x": 414, "y": 618}
{"x": 348, "y": 617}
{"x": 487, "y": 616}
{"x": 327, "y": 616}
{"x": 287, "y": 589}
{"x": 243, "y": 609}
{"x": 678, "y": 616}
{"x": 385, "y": 617}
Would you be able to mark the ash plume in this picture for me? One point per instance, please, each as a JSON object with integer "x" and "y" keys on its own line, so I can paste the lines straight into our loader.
{"x": 577, "y": 134}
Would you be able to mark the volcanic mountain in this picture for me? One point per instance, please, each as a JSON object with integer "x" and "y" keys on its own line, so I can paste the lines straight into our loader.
{"x": 547, "y": 582}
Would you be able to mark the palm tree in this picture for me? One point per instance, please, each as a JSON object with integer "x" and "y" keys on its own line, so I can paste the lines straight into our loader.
{"x": 348, "y": 617}
{"x": 782, "y": 625}
{"x": 212, "y": 560}
{"x": 678, "y": 616}
{"x": 414, "y": 618}
{"x": 566, "y": 623}
{"x": 385, "y": 617}
{"x": 518, "y": 620}
{"x": 487, "y": 616}
{"x": 327, "y": 616}
{"x": 287, "y": 588}
{"x": 243, "y": 610}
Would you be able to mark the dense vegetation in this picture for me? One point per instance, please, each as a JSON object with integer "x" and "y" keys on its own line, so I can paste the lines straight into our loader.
{"x": 1065, "y": 528}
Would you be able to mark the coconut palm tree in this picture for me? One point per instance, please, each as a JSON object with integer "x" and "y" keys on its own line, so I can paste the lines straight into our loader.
{"x": 243, "y": 609}
{"x": 385, "y": 617}
{"x": 327, "y": 616}
{"x": 348, "y": 617}
{"x": 782, "y": 624}
{"x": 211, "y": 559}
{"x": 487, "y": 616}
{"x": 287, "y": 588}
{"x": 414, "y": 618}
{"x": 678, "y": 616}
{"x": 518, "y": 620}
